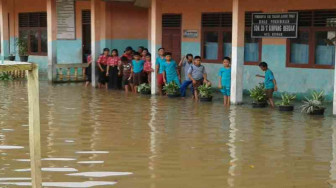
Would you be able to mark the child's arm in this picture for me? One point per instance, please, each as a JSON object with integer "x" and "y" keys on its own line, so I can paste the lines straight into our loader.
{"x": 107, "y": 70}
{"x": 220, "y": 82}
{"x": 275, "y": 85}
{"x": 205, "y": 78}
{"x": 157, "y": 69}
{"x": 182, "y": 60}
{"x": 260, "y": 76}
{"x": 164, "y": 76}
{"x": 178, "y": 74}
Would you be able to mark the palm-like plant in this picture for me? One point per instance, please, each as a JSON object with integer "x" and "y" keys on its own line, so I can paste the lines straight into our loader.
{"x": 144, "y": 88}
{"x": 171, "y": 88}
{"x": 286, "y": 99}
{"x": 314, "y": 103}
{"x": 205, "y": 91}
{"x": 258, "y": 94}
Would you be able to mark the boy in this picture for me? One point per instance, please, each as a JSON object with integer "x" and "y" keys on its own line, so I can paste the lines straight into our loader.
{"x": 125, "y": 70}
{"x": 159, "y": 69}
{"x": 186, "y": 62}
{"x": 137, "y": 69}
{"x": 170, "y": 72}
{"x": 224, "y": 82}
{"x": 197, "y": 75}
{"x": 270, "y": 82}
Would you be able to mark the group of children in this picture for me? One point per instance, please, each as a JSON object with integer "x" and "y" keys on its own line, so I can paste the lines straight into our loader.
{"x": 134, "y": 68}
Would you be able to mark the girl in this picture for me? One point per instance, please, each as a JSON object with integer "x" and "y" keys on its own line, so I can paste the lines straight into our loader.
{"x": 148, "y": 68}
{"x": 125, "y": 70}
{"x": 224, "y": 82}
{"x": 112, "y": 70}
{"x": 88, "y": 71}
{"x": 144, "y": 53}
{"x": 102, "y": 64}
{"x": 128, "y": 53}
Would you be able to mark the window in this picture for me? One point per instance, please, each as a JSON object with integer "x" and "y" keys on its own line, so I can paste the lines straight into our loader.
{"x": 216, "y": 36}
{"x": 33, "y": 28}
{"x": 314, "y": 47}
{"x": 253, "y": 46}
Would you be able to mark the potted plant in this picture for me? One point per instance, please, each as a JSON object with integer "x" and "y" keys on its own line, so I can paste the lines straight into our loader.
{"x": 11, "y": 57}
{"x": 23, "y": 49}
{"x": 172, "y": 90}
{"x": 144, "y": 89}
{"x": 6, "y": 77}
{"x": 258, "y": 94}
{"x": 286, "y": 102}
{"x": 205, "y": 92}
{"x": 314, "y": 105}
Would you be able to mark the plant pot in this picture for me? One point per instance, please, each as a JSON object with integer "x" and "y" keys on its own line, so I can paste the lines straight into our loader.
{"x": 145, "y": 92}
{"x": 206, "y": 99}
{"x": 318, "y": 112}
{"x": 259, "y": 104}
{"x": 173, "y": 95}
{"x": 11, "y": 58}
{"x": 286, "y": 108}
{"x": 23, "y": 58}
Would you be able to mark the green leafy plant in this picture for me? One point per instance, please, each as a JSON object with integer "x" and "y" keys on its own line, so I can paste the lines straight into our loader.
{"x": 286, "y": 99}
{"x": 205, "y": 91}
{"x": 314, "y": 103}
{"x": 258, "y": 94}
{"x": 171, "y": 88}
{"x": 144, "y": 88}
{"x": 6, "y": 77}
{"x": 22, "y": 45}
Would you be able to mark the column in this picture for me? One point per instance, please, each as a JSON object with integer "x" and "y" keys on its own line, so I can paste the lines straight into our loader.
{"x": 334, "y": 99}
{"x": 4, "y": 31}
{"x": 95, "y": 39}
{"x": 156, "y": 37}
{"x": 52, "y": 39}
{"x": 238, "y": 34}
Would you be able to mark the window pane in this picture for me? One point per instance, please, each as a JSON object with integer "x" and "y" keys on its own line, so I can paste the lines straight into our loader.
{"x": 34, "y": 41}
{"x": 300, "y": 48}
{"x": 251, "y": 51}
{"x": 211, "y": 45}
{"x": 325, "y": 49}
{"x": 44, "y": 41}
{"x": 227, "y": 44}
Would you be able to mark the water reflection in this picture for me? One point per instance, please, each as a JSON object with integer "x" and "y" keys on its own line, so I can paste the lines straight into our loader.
{"x": 232, "y": 146}
{"x": 151, "y": 166}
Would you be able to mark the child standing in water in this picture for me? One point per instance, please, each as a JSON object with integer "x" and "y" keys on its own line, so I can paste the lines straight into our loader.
{"x": 197, "y": 75}
{"x": 128, "y": 53}
{"x": 170, "y": 72}
{"x": 112, "y": 70}
{"x": 137, "y": 70}
{"x": 186, "y": 63}
{"x": 270, "y": 82}
{"x": 224, "y": 82}
{"x": 148, "y": 68}
{"x": 125, "y": 70}
{"x": 159, "y": 69}
{"x": 88, "y": 71}
{"x": 102, "y": 65}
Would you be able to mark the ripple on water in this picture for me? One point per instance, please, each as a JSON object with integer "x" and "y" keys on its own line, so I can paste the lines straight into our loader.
{"x": 11, "y": 147}
{"x": 58, "y": 159}
{"x": 64, "y": 184}
{"x": 100, "y": 174}
{"x": 90, "y": 162}
{"x": 49, "y": 170}
{"x": 92, "y": 152}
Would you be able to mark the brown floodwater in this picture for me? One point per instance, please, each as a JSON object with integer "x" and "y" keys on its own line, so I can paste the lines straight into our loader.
{"x": 104, "y": 138}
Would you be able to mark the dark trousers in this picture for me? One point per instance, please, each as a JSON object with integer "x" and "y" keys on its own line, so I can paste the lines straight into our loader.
{"x": 184, "y": 87}
{"x": 113, "y": 78}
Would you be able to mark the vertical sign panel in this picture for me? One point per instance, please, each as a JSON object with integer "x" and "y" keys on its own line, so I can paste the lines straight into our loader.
{"x": 66, "y": 19}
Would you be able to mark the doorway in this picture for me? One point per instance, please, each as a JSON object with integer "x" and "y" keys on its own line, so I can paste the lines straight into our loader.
{"x": 171, "y": 34}
{"x": 86, "y": 36}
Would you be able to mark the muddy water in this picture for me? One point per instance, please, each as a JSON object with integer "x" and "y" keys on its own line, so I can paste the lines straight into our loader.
{"x": 107, "y": 139}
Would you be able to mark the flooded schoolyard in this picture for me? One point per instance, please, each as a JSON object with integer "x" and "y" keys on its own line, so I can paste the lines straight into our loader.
{"x": 108, "y": 139}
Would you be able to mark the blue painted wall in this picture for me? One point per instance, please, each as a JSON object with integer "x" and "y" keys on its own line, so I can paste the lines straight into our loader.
{"x": 191, "y": 47}
{"x": 69, "y": 51}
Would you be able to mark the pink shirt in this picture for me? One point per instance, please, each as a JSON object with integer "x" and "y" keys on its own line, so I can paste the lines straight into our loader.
{"x": 113, "y": 61}
{"x": 129, "y": 57}
{"x": 148, "y": 66}
{"x": 103, "y": 60}
{"x": 89, "y": 58}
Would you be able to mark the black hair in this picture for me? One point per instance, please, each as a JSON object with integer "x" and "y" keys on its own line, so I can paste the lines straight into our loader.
{"x": 136, "y": 53}
{"x": 161, "y": 49}
{"x": 227, "y": 58}
{"x": 198, "y": 57}
{"x": 141, "y": 47}
{"x": 189, "y": 55}
{"x": 124, "y": 59}
{"x": 146, "y": 49}
{"x": 263, "y": 64}
{"x": 106, "y": 49}
{"x": 148, "y": 55}
{"x": 115, "y": 50}
{"x": 168, "y": 53}
{"x": 128, "y": 48}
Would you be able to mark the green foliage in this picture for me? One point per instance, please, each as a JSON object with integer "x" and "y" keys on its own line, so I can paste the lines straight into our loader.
{"x": 144, "y": 88}
{"x": 258, "y": 94}
{"x": 313, "y": 103}
{"x": 5, "y": 77}
{"x": 286, "y": 99}
{"x": 22, "y": 44}
{"x": 205, "y": 91}
{"x": 171, "y": 88}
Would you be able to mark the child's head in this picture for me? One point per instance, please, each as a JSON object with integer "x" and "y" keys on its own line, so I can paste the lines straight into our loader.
{"x": 146, "y": 50}
{"x": 114, "y": 52}
{"x": 197, "y": 60}
{"x": 227, "y": 61}
{"x": 263, "y": 66}
{"x": 189, "y": 57}
{"x": 161, "y": 51}
{"x": 141, "y": 49}
{"x": 136, "y": 56}
{"x": 168, "y": 56}
{"x": 148, "y": 57}
{"x": 124, "y": 59}
{"x": 144, "y": 53}
{"x": 106, "y": 51}
{"x": 128, "y": 50}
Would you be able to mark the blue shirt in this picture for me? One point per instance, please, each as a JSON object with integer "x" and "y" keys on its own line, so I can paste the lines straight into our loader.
{"x": 187, "y": 66}
{"x": 138, "y": 65}
{"x": 225, "y": 74}
{"x": 160, "y": 61}
{"x": 170, "y": 69}
{"x": 269, "y": 77}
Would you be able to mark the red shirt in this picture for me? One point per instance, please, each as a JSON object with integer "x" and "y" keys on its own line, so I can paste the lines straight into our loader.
{"x": 113, "y": 61}
{"x": 129, "y": 57}
{"x": 102, "y": 60}
{"x": 148, "y": 66}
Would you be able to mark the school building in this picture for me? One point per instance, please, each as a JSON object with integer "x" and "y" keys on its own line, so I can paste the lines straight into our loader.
{"x": 65, "y": 31}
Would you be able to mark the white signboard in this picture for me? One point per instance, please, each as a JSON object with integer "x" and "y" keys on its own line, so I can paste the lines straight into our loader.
{"x": 66, "y": 19}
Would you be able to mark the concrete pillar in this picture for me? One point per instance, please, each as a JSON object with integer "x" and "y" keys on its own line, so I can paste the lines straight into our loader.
{"x": 238, "y": 34}
{"x": 334, "y": 99}
{"x": 95, "y": 37}
{"x": 4, "y": 31}
{"x": 52, "y": 39}
{"x": 156, "y": 38}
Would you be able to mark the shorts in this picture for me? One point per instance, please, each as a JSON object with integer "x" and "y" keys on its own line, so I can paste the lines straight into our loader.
{"x": 160, "y": 79}
{"x": 226, "y": 91}
{"x": 198, "y": 83}
{"x": 269, "y": 93}
{"x": 174, "y": 79}
{"x": 125, "y": 81}
{"x": 102, "y": 75}
{"x": 137, "y": 79}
